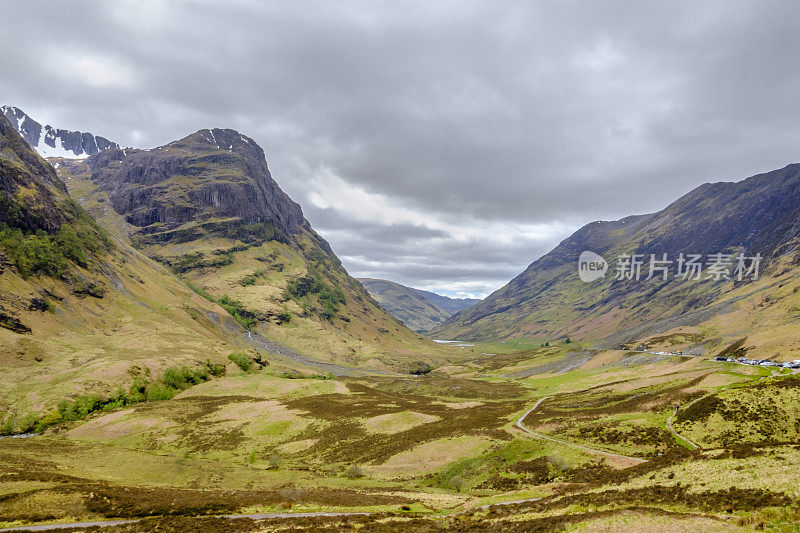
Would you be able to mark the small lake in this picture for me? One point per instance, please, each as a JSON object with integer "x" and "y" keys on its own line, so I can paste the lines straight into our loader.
{"x": 455, "y": 344}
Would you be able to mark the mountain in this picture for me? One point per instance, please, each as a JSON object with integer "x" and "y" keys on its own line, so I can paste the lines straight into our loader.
{"x": 207, "y": 208}
{"x": 419, "y": 310}
{"x": 51, "y": 142}
{"x": 447, "y": 304}
{"x": 405, "y": 304}
{"x": 759, "y": 215}
{"x": 81, "y": 311}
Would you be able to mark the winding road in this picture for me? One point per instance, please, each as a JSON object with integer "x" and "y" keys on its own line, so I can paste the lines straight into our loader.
{"x": 566, "y": 443}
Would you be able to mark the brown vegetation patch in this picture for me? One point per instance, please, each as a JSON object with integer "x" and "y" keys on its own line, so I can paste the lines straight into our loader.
{"x": 346, "y": 440}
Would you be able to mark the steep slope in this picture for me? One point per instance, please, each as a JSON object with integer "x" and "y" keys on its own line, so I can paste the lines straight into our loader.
{"x": 419, "y": 310}
{"x": 81, "y": 312}
{"x": 52, "y": 142}
{"x": 758, "y": 215}
{"x": 405, "y": 304}
{"x": 207, "y": 207}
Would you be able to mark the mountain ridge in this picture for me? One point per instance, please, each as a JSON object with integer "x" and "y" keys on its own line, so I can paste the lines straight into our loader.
{"x": 547, "y": 300}
{"x": 54, "y": 142}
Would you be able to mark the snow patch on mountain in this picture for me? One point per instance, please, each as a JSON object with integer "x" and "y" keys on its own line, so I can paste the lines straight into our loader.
{"x": 51, "y": 142}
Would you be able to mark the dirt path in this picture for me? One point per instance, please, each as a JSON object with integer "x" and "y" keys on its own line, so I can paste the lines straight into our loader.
{"x": 672, "y": 430}
{"x": 566, "y": 443}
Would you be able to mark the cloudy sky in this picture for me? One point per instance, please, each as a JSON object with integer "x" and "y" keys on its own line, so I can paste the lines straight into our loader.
{"x": 440, "y": 144}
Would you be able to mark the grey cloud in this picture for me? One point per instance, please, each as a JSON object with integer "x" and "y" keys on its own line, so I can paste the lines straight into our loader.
{"x": 481, "y": 112}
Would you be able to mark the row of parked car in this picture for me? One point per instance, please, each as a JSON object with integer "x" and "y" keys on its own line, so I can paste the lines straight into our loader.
{"x": 760, "y": 362}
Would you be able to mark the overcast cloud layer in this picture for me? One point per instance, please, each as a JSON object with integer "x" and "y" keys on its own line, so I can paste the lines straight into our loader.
{"x": 444, "y": 145}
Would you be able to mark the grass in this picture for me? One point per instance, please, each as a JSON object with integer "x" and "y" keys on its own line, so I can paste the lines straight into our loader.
{"x": 172, "y": 381}
{"x": 418, "y": 449}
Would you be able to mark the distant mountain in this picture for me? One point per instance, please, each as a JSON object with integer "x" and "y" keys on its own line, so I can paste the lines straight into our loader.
{"x": 759, "y": 215}
{"x": 51, "y": 142}
{"x": 419, "y": 310}
{"x": 449, "y": 305}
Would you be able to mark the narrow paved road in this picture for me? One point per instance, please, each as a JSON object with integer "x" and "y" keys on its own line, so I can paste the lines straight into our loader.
{"x": 566, "y": 443}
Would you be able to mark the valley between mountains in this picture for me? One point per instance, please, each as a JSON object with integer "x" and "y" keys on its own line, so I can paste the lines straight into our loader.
{"x": 180, "y": 350}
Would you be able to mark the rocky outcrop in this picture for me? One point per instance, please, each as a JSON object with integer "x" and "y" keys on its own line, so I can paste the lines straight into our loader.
{"x": 214, "y": 174}
{"x": 50, "y": 141}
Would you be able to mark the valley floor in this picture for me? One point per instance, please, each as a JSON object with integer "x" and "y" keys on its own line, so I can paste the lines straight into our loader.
{"x": 529, "y": 439}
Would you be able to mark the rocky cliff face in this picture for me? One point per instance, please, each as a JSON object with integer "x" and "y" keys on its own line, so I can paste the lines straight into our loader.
{"x": 213, "y": 175}
{"x": 52, "y": 142}
{"x": 758, "y": 215}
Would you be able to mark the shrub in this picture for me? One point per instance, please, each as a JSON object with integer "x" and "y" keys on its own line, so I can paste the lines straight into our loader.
{"x": 250, "y": 279}
{"x": 251, "y": 458}
{"x": 355, "y": 472}
{"x": 241, "y": 360}
{"x": 290, "y": 493}
{"x": 184, "y": 377}
{"x": 420, "y": 369}
{"x": 200, "y": 291}
{"x": 215, "y": 369}
{"x": 138, "y": 390}
{"x": 40, "y": 252}
{"x": 171, "y": 383}
{"x": 275, "y": 461}
{"x": 52, "y": 418}
{"x": 195, "y": 260}
{"x": 457, "y": 482}
{"x": 159, "y": 391}
{"x": 285, "y": 317}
